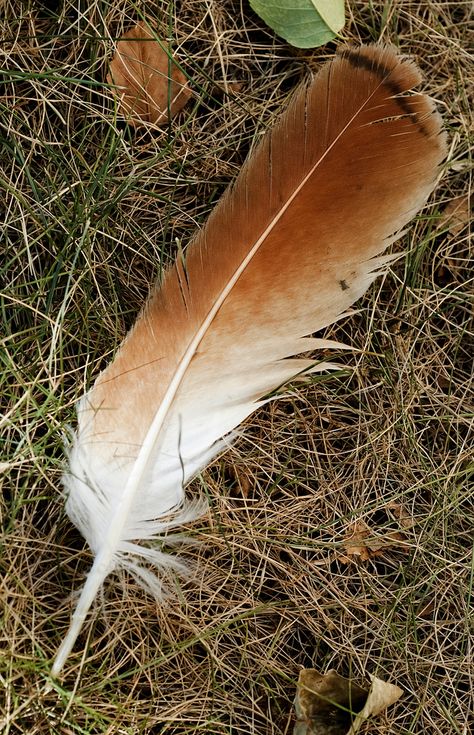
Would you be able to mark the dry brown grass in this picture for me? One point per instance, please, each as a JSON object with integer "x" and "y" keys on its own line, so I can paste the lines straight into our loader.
{"x": 93, "y": 212}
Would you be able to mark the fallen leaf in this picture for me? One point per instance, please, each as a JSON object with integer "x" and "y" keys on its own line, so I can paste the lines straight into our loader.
{"x": 332, "y": 13}
{"x": 361, "y": 543}
{"x": 381, "y": 695}
{"x": 456, "y": 215}
{"x": 242, "y": 480}
{"x": 326, "y": 703}
{"x": 426, "y": 609}
{"x": 402, "y": 515}
{"x": 141, "y": 70}
{"x": 227, "y": 90}
{"x": 329, "y": 704}
{"x": 303, "y": 23}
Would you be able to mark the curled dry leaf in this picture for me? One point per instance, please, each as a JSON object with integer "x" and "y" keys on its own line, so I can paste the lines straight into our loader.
{"x": 329, "y": 704}
{"x": 456, "y": 215}
{"x": 401, "y": 514}
{"x": 326, "y": 703}
{"x": 149, "y": 84}
{"x": 361, "y": 543}
{"x": 381, "y": 695}
{"x": 454, "y": 222}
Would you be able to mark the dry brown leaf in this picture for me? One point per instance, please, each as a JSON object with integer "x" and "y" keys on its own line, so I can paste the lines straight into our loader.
{"x": 324, "y": 703}
{"x": 140, "y": 69}
{"x": 329, "y": 704}
{"x": 362, "y": 544}
{"x": 401, "y": 514}
{"x": 426, "y": 609}
{"x": 381, "y": 696}
{"x": 456, "y": 215}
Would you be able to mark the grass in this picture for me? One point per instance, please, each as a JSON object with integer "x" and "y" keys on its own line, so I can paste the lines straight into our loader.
{"x": 94, "y": 211}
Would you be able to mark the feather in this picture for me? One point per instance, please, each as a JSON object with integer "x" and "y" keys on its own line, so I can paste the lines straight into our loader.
{"x": 294, "y": 241}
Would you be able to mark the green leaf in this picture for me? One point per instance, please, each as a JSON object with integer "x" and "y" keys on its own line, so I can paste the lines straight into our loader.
{"x": 331, "y": 12}
{"x": 303, "y": 23}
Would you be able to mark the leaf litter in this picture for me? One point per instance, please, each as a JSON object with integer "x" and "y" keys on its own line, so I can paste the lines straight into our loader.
{"x": 150, "y": 86}
{"x": 330, "y": 704}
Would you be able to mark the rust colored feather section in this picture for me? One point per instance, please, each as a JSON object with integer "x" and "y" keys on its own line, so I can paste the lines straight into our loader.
{"x": 293, "y": 243}
{"x": 353, "y": 158}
